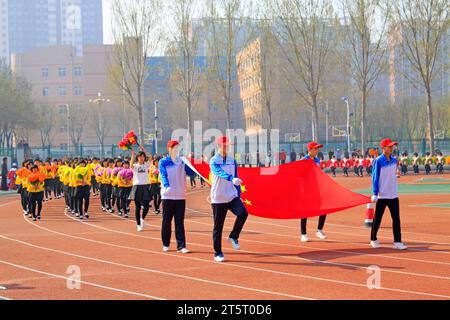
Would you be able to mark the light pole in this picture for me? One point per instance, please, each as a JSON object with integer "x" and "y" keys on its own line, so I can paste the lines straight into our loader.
{"x": 345, "y": 99}
{"x": 99, "y": 101}
{"x": 156, "y": 126}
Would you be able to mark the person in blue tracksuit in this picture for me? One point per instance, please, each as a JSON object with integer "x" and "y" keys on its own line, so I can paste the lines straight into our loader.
{"x": 385, "y": 194}
{"x": 173, "y": 194}
{"x": 313, "y": 150}
{"x": 225, "y": 195}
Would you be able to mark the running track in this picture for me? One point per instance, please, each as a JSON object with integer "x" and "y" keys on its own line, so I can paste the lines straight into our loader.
{"x": 117, "y": 262}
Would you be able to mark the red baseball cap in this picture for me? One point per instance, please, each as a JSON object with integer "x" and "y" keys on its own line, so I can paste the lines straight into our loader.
{"x": 314, "y": 145}
{"x": 223, "y": 141}
{"x": 388, "y": 143}
{"x": 172, "y": 143}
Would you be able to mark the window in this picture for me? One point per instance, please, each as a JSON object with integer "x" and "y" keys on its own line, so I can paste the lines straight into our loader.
{"x": 63, "y": 91}
{"x": 62, "y": 72}
{"x": 77, "y": 91}
{"x": 45, "y": 92}
{"x": 44, "y": 72}
{"x": 77, "y": 71}
{"x": 62, "y": 109}
{"x": 63, "y": 129}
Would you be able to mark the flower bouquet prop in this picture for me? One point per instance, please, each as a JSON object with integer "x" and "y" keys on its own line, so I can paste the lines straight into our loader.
{"x": 126, "y": 176}
{"x": 35, "y": 179}
{"x": 81, "y": 173}
{"x": 129, "y": 141}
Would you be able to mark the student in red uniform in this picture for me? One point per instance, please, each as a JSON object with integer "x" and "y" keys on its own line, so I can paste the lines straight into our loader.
{"x": 361, "y": 164}
{"x": 345, "y": 165}
{"x": 333, "y": 164}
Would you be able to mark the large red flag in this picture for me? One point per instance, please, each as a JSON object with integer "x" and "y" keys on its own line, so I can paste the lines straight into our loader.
{"x": 290, "y": 191}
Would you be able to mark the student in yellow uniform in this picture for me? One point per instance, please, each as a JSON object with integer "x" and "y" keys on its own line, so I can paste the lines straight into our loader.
{"x": 21, "y": 182}
{"x": 99, "y": 177}
{"x": 125, "y": 184}
{"x": 49, "y": 176}
{"x": 107, "y": 183}
{"x": 94, "y": 182}
{"x": 118, "y": 163}
{"x": 155, "y": 185}
{"x": 62, "y": 172}
{"x": 82, "y": 181}
{"x": 72, "y": 189}
{"x": 35, "y": 186}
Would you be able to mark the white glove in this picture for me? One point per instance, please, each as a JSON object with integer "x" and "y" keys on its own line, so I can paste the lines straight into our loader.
{"x": 166, "y": 191}
{"x": 374, "y": 198}
{"x": 237, "y": 181}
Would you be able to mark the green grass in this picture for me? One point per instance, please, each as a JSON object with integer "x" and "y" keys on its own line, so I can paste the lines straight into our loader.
{"x": 416, "y": 189}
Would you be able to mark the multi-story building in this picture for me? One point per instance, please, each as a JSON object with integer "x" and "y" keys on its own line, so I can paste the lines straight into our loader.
{"x": 42, "y": 23}
{"x": 66, "y": 83}
{"x": 4, "y": 35}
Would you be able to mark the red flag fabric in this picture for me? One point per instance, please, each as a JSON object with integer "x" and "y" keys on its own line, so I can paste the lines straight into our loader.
{"x": 295, "y": 190}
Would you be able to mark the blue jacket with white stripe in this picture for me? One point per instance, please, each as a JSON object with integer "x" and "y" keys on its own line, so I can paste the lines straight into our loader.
{"x": 223, "y": 171}
{"x": 384, "y": 178}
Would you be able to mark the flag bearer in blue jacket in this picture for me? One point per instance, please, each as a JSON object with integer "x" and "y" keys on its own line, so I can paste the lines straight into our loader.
{"x": 225, "y": 195}
{"x": 173, "y": 194}
{"x": 385, "y": 194}
{"x": 313, "y": 150}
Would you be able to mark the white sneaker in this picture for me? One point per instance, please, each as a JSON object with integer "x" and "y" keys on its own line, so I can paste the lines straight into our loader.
{"x": 139, "y": 228}
{"x": 219, "y": 258}
{"x": 321, "y": 235}
{"x": 184, "y": 251}
{"x": 304, "y": 238}
{"x": 399, "y": 246}
{"x": 166, "y": 249}
{"x": 375, "y": 244}
{"x": 142, "y": 223}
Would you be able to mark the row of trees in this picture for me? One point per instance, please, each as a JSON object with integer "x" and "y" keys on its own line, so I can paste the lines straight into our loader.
{"x": 313, "y": 37}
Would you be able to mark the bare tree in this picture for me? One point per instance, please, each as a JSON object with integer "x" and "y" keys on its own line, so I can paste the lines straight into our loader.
{"x": 101, "y": 122}
{"x": 305, "y": 37}
{"x": 77, "y": 118}
{"x": 364, "y": 49}
{"x": 187, "y": 69}
{"x": 421, "y": 27}
{"x": 46, "y": 121}
{"x": 229, "y": 30}
{"x": 137, "y": 37}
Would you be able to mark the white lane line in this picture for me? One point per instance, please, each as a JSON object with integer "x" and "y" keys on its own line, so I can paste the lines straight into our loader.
{"x": 156, "y": 271}
{"x": 341, "y": 233}
{"x": 265, "y": 270}
{"x": 80, "y": 281}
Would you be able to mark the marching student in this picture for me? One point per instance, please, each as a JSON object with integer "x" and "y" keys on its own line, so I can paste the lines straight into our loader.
{"x": 49, "y": 177}
{"x": 82, "y": 176}
{"x": 415, "y": 163}
{"x": 57, "y": 186}
{"x": 95, "y": 163}
{"x": 355, "y": 164}
{"x": 369, "y": 164}
{"x": 173, "y": 173}
{"x": 225, "y": 195}
{"x": 140, "y": 192}
{"x": 21, "y": 181}
{"x": 385, "y": 194}
{"x": 35, "y": 186}
{"x": 107, "y": 185}
{"x": 428, "y": 162}
{"x": 125, "y": 184}
{"x": 333, "y": 164}
{"x": 404, "y": 164}
{"x": 313, "y": 150}
{"x": 361, "y": 164}
{"x": 345, "y": 166}
{"x": 155, "y": 185}
{"x": 99, "y": 176}
{"x": 72, "y": 188}
{"x": 115, "y": 188}
{"x": 440, "y": 161}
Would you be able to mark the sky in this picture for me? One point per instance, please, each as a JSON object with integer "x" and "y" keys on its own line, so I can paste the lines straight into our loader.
{"x": 107, "y": 19}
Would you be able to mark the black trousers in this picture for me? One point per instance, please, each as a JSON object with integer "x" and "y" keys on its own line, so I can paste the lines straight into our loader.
{"x": 173, "y": 210}
{"x": 320, "y": 225}
{"x": 122, "y": 202}
{"x": 394, "y": 208}
{"x": 416, "y": 169}
{"x": 107, "y": 194}
{"x": 48, "y": 187}
{"x": 155, "y": 191}
{"x": 24, "y": 199}
{"x": 333, "y": 171}
{"x": 427, "y": 169}
{"x": 5, "y": 182}
{"x": 346, "y": 172}
{"x": 220, "y": 211}
{"x": 82, "y": 199}
{"x": 36, "y": 199}
{"x": 138, "y": 205}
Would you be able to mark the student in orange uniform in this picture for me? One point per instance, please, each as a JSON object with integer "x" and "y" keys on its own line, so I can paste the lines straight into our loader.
{"x": 35, "y": 186}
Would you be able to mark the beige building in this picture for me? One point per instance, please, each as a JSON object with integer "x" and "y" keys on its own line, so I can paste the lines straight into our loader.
{"x": 64, "y": 81}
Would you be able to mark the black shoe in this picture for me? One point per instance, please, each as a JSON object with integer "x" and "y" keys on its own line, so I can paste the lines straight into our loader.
{"x": 39, "y": 217}
{"x": 86, "y": 216}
